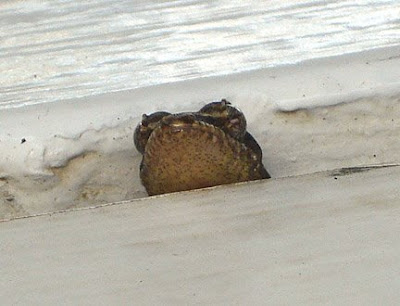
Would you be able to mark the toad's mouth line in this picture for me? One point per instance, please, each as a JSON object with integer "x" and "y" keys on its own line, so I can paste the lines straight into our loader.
{"x": 179, "y": 126}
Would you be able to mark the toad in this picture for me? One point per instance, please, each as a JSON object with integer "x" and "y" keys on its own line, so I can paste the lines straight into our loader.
{"x": 194, "y": 150}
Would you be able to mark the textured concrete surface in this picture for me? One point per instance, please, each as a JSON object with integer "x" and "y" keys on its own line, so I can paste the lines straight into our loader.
{"x": 327, "y": 238}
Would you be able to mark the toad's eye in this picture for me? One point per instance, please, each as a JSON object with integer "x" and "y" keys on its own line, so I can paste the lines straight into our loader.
{"x": 227, "y": 117}
{"x": 145, "y": 127}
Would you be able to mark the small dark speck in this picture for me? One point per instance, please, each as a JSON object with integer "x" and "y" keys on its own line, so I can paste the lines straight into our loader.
{"x": 23, "y": 140}
{"x": 10, "y": 198}
{"x": 335, "y": 178}
{"x": 35, "y": 76}
{"x": 374, "y": 155}
{"x": 304, "y": 96}
{"x": 367, "y": 63}
{"x": 324, "y": 118}
{"x": 118, "y": 118}
{"x": 355, "y": 119}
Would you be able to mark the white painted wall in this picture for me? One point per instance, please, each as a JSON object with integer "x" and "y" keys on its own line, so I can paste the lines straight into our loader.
{"x": 319, "y": 85}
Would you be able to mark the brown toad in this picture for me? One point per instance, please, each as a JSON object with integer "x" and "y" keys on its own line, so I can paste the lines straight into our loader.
{"x": 193, "y": 150}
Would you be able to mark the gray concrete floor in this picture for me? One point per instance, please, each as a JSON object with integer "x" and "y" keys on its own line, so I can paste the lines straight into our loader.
{"x": 327, "y": 238}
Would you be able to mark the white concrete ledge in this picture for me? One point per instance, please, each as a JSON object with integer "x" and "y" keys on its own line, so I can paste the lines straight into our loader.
{"x": 327, "y": 238}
